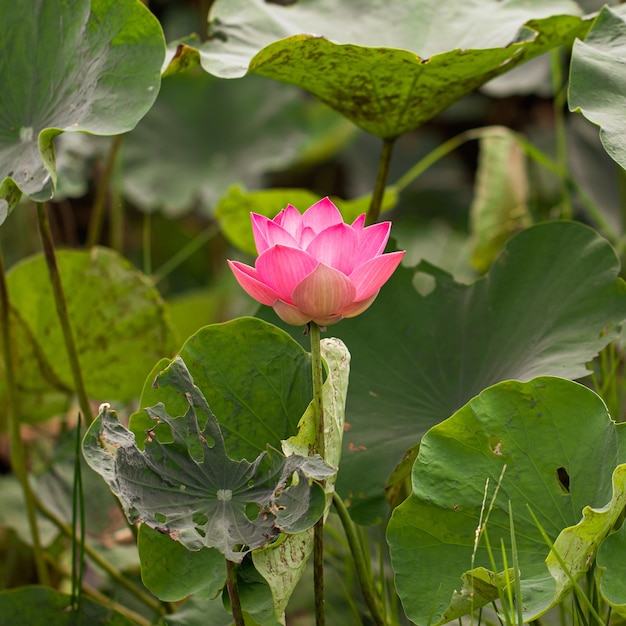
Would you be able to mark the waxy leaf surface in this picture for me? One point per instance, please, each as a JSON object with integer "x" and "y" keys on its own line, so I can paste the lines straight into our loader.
{"x": 190, "y": 488}
{"x": 516, "y": 444}
{"x": 119, "y": 320}
{"x": 257, "y": 380}
{"x": 597, "y": 86}
{"x": 386, "y": 68}
{"x": 69, "y": 65}
{"x": 549, "y": 303}
{"x": 255, "y": 377}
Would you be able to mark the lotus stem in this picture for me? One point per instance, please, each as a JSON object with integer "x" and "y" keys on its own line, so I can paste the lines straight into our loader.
{"x": 233, "y": 593}
{"x": 184, "y": 253}
{"x": 18, "y": 455}
{"x": 373, "y": 213}
{"x": 97, "y": 215}
{"x": 560, "y": 95}
{"x": 61, "y": 306}
{"x": 320, "y": 448}
{"x": 362, "y": 571}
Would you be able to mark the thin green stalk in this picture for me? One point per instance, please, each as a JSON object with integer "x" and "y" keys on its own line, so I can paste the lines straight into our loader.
{"x": 579, "y": 595}
{"x": 102, "y": 563}
{"x": 233, "y": 593}
{"x": 61, "y": 306}
{"x": 97, "y": 215}
{"x": 360, "y": 564}
{"x": 184, "y": 253}
{"x": 516, "y": 569}
{"x": 18, "y": 455}
{"x": 320, "y": 446}
{"x": 378, "y": 194}
{"x": 438, "y": 153}
{"x": 559, "y": 126}
{"x": 78, "y": 526}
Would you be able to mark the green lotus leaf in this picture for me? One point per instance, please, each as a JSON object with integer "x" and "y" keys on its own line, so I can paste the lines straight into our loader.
{"x": 69, "y": 65}
{"x": 597, "y": 85}
{"x": 264, "y": 385}
{"x": 515, "y": 445}
{"x": 119, "y": 321}
{"x": 191, "y": 490}
{"x": 550, "y": 302}
{"x": 386, "y": 68}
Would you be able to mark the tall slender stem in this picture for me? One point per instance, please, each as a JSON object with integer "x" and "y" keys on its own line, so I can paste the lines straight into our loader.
{"x": 320, "y": 448}
{"x": 18, "y": 455}
{"x": 97, "y": 215}
{"x": 184, "y": 253}
{"x": 362, "y": 572}
{"x": 378, "y": 194}
{"x": 61, "y": 307}
{"x": 560, "y": 95}
{"x": 233, "y": 593}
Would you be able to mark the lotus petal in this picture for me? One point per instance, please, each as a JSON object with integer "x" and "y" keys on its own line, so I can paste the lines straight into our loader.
{"x": 283, "y": 268}
{"x": 248, "y": 278}
{"x": 336, "y": 247}
{"x": 324, "y": 292}
{"x": 369, "y": 277}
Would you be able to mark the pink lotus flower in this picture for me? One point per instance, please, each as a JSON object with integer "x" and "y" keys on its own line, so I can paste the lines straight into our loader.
{"x": 314, "y": 267}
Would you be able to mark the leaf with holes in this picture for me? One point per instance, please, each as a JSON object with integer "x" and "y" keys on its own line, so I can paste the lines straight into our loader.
{"x": 386, "y": 67}
{"x": 515, "y": 444}
{"x": 190, "y": 488}
{"x": 69, "y": 65}
{"x": 550, "y": 302}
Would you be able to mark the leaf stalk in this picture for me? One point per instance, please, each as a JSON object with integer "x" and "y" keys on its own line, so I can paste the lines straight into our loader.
{"x": 61, "y": 307}
{"x": 384, "y": 162}
{"x": 18, "y": 455}
{"x": 320, "y": 448}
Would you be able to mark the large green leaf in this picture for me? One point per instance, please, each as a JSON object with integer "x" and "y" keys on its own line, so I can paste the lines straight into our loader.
{"x": 171, "y": 572}
{"x": 119, "y": 321}
{"x": 41, "y": 606}
{"x": 191, "y": 490}
{"x": 598, "y": 79}
{"x": 260, "y": 394}
{"x": 516, "y": 444}
{"x": 254, "y": 376}
{"x": 388, "y": 68}
{"x": 550, "y": 302}
{"x": 69, "y": 65}
{"x": 204, "y": 134}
